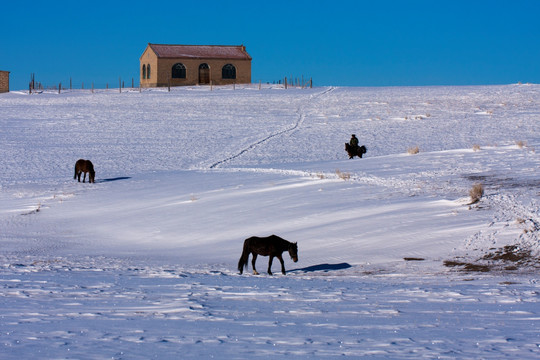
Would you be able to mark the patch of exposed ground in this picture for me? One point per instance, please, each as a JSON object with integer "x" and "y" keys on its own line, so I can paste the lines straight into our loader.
{"x": 508, "y": 258}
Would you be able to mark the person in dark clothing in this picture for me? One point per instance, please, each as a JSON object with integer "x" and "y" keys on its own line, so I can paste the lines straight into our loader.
{"x": 354, "y": 141}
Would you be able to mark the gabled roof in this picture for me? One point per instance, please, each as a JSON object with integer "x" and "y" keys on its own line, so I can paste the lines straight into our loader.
{"x": 200, "y": 51}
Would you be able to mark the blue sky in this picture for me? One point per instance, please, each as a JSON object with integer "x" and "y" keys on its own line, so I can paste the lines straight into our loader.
{"x": 342, "y": 43}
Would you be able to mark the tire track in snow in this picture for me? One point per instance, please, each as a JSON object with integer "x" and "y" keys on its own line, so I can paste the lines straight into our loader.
{"x": 299, "y": 122}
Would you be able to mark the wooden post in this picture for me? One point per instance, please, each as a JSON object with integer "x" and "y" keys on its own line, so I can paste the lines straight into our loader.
{"x": 59, "y": 87}
{"x": 92, "y": 87}
{"x": 70, "y": 87}
{"x": 285, "y": 82}
{"x": 259, "y": 84}
{"x": 310, "y": 83}
{"x": 132, "y": 83}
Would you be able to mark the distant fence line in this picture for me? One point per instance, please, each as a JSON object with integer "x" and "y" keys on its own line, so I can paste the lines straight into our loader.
{"x": 35, "y": 86}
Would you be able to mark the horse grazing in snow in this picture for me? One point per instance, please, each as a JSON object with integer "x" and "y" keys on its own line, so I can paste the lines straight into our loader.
{"x": 352, "y": 151}
{"x": 84, "y": 166}
{"x": 272, "y": 246}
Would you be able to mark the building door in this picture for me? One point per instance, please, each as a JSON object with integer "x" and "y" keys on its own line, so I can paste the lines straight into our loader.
{"x": 204, "y": 74}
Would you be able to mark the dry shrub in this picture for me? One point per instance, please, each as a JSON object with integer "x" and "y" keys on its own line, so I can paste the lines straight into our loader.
{"x": 343, "y": 175}
{"x": 476, "y": 147}
{"x": 521, "y": 144}
{"x": 413, "y": 150}
{"x": 476, "y": 193}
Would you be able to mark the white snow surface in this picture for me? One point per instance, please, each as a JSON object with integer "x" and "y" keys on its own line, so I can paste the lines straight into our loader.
{"x": 142, "y": 264}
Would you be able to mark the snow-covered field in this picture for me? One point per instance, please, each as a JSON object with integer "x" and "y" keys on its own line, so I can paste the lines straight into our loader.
{"x": 393, "y": 260}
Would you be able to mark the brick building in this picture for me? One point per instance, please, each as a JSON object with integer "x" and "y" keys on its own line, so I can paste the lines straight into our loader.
{"x": 194, "y": 64}
{"x": 4, "y": 81}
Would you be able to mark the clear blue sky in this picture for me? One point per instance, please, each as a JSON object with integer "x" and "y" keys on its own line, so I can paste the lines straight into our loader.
{"x": 343, "y": 43}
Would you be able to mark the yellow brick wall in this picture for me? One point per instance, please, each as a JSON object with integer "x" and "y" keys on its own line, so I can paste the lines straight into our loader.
{"x": 148, "y": 57}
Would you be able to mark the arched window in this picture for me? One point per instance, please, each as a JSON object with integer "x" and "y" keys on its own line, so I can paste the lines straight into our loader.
{"x": 144, "y": 71}
{"x": 148, "y": 71}
{"x": 178, "y": 71}
{"x": 228, "y": 72}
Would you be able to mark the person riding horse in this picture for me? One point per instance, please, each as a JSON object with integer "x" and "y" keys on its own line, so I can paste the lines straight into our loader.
{"x": 353, "y": 149}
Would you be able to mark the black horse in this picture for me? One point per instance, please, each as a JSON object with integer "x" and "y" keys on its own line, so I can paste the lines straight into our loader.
{"x": 355, "y": 151}
{"x": 271, "y": 246}
{"x": 84, "y": 166}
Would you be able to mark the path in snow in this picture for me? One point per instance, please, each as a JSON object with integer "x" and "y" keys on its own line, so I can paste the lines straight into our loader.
{"x": 295, "y": 126}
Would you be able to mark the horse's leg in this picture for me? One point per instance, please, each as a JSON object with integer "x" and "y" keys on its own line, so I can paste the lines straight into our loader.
{"x": 84, "y": 177}
{"x": 270, "y": 264}
{"x": 253, "y": 264}
{"x": 282, "y": 263}
{"x": 79, "y": 176}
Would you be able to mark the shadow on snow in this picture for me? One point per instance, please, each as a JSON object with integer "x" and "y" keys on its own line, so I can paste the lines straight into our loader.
{"x": 114, "y": 179}
{"x": 324, "y": 267}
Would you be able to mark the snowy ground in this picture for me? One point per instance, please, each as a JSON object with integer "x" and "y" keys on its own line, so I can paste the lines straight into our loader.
{"x": 394, "y": 261}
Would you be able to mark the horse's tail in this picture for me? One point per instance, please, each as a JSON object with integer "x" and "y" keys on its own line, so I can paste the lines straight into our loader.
{"x": 75, "y": 176}
{"x": 243, "y": 262}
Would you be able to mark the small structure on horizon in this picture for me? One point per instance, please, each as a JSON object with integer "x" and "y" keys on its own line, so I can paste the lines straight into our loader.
{"x": 177, "y": 65}
{"x": 4, "y": 81}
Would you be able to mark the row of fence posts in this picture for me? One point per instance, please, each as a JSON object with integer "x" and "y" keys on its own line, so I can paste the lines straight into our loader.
{"x": 298, "y": 83}
{"x": 32, "y": 85}
{"x": 303, "y": 84}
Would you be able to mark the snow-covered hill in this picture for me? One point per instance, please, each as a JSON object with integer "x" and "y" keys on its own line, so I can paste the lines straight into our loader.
{"x": 142, "y": 263}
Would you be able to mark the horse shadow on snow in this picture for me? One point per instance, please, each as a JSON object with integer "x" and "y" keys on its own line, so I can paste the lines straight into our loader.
{"x": 114, "y": 179}
{"x": 323, "y": 267}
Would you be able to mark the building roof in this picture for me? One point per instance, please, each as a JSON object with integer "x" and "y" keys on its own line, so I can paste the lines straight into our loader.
{"x": 237, "y": 52}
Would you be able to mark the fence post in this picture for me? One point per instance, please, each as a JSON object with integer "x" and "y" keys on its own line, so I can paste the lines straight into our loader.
{"x": 70, "y": 83}
{"x": 59, "y": 87}
{"x": 92, "y": 87}
{"x": 285, "y": 82}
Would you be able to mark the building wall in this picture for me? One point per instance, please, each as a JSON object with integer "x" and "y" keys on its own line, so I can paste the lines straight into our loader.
{"x": 4, "y": 81}
{"x": 161, "y": 70}
{"x": 149, "y": 57}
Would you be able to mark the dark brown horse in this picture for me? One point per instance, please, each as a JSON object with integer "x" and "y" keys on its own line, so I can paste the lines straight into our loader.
{"x": 352, "y": 151}
{"x": 84, "y": 166}
{"x": 266, "y": 246}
